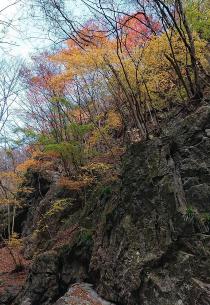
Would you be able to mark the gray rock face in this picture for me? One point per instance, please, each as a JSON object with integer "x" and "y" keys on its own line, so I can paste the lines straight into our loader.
{"x": 42, "y": 286}
{"x": 26, "y": 302}
{"x": 154, "y": 247}
{"x": 53, "y": 272}
{"x": 152, "y": 237}
{"x": 9, "y": 295}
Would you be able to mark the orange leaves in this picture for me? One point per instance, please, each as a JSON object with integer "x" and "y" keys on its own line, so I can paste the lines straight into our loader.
{"x": 78, "y": 61}
{"x": 10, "y": 175}
{"x": 39, "y": 161}
{"x": 30, "y": 163}
{"x": 91, "y": 34}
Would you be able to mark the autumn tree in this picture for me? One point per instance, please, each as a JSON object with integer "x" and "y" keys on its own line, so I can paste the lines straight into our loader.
{"x": 120, "y": 69}
{"x": 10, "y": 183}
{"x": 132, "y": 26}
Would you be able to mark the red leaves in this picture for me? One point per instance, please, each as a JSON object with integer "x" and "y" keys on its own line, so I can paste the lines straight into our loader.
{"x": 137, "y": 28}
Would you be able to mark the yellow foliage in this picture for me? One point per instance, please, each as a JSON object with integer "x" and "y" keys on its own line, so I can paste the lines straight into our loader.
{"x": 114, "y": 119}
{"x": 104, "y": 82}
{"x": 79, "y": 184}
{"x": 156, "y": 71}
{"x": 9, "y": 201}
{"x": 57, "y": 207}
{"x": 15, "y": 241}
{"x": 101, "y": 167}
{"x": 155, "y": 74}
{"x": 79, "y": 62}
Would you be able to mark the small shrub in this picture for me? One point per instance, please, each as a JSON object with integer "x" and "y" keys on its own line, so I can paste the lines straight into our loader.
{"x": 86, "y": 236}
{"x": 58, "y": 206}
{"x": 189, "y": 215}
{"x": 206, "y": 221}
{"x": 105, "y": 192}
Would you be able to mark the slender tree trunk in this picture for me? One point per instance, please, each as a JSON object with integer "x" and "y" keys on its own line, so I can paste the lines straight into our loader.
{"x": 13, "y": 219}
{"x": 9, "y": 222}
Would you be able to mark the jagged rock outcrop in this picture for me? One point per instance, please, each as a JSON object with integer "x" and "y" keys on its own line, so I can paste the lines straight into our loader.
{"x": 150, "y": 239}
{"x": 52, "y": 272}
{"x": 42, "y": 283}
{"x": 154, "y": 247}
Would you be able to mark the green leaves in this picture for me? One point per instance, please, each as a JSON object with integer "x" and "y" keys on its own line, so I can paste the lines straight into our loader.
{"x": 79, "y": 130}
{"x": 198, "y": 14}
{"x": 63, "y": 148}
{"x": 71, "y": 151}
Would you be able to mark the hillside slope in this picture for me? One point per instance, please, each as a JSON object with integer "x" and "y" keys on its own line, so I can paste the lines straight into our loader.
{"x": 144, "y": 240}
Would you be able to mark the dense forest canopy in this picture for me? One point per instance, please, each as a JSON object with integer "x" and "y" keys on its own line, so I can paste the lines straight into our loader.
{"x": 107, "y": 75}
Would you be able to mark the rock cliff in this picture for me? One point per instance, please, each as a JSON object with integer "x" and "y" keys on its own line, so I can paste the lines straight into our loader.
{"x": 144, "y": 240}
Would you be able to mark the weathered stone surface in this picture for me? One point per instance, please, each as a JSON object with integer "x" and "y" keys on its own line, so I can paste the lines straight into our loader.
{"x": 9, "y": 295}
{"x": 53, "y": 272}
{"x": 150, "y": 251}
{"x": 42, "y": 286}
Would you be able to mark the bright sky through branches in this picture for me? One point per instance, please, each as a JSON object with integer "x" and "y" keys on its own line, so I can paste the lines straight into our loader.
{"x": 25, "y": 35}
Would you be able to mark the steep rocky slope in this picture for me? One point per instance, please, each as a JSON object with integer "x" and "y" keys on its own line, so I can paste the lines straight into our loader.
{"x": 145, "y": 240}
{"x": 154, "y": 246}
